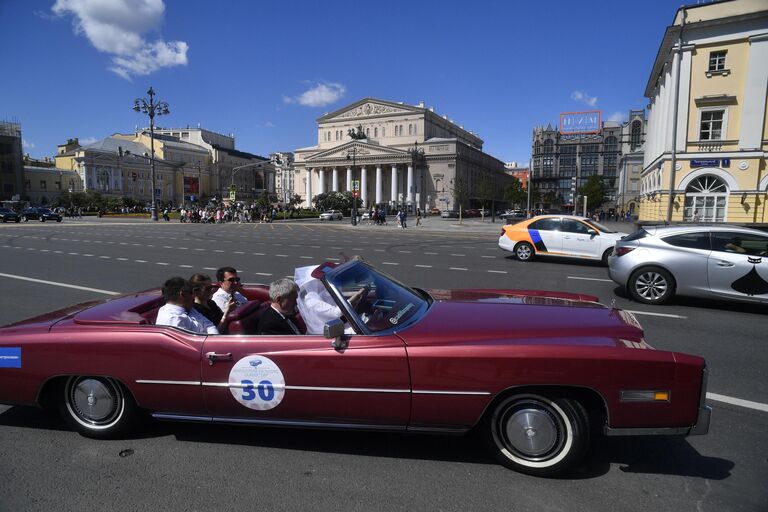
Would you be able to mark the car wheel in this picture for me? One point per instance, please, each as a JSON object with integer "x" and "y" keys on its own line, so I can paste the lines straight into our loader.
{"x": 606, "y": 255}
{"x": 24, "y": 218}
{"x": 536, "y": 435}
{"x": 651, "y": 285}
{"x": 41, "y": 219}
{"x": 97, "y": 407}
{"x": 524, "y": 251}
{"x": 58, "y": 220}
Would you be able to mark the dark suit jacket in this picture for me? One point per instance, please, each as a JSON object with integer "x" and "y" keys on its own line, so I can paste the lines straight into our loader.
{"x": 272, "y": 323}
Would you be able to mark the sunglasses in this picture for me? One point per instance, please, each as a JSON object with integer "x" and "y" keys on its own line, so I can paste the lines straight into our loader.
{"x": 233, "y": 279}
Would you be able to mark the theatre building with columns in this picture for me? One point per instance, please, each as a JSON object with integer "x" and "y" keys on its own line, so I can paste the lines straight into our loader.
{"x": 410, "y": 156}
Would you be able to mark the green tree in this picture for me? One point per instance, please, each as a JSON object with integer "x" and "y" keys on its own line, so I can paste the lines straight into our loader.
{"x": 594, "y": 189}
{"x": 515, "y": 194}
{"x": 460, "y": 192}
{"x": 485, "y": 191}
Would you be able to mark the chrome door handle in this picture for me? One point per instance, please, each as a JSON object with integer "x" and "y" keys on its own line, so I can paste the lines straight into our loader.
{"x": 213, "y": 357}
{"x": 725, "y": 264}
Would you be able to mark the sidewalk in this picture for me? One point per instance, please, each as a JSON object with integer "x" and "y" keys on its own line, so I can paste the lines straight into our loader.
{"x": 471, "y": 225}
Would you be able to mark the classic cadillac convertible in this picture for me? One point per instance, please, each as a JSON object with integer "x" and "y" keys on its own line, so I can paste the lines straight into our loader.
{"x": 537, "y": 373}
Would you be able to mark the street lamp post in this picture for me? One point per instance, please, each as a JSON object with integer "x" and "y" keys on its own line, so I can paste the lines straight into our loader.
{"x": 416, "y": 154}
{"x": 152, "y": 108}
{"x": 353, "y": 151}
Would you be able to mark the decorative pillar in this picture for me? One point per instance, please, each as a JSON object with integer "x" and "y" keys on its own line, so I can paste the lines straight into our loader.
{"x": 310, "y": 172}
{"x": 393, "y": 188}
{"x": 349, "y": 178}
{"x": 335, "y": 181}
{"x": 321, "y": 186}
{"x": 378, "y": 183}
{"x": 409, "y": 197}
{"x": 364, "y": 186}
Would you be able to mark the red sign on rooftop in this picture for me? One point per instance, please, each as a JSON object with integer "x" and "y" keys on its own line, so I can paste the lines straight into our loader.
{"x": 580, "y": 122}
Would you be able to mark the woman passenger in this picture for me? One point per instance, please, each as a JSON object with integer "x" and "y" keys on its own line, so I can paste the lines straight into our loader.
{"x": 202, "y": 290}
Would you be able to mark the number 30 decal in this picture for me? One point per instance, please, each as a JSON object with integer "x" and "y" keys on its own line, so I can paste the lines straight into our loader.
{"x": 257, "y": 383}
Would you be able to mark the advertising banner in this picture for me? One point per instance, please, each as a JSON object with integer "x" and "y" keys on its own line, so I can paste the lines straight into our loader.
{"x": 580, "y": 122}
{"x": 191, "y": 186}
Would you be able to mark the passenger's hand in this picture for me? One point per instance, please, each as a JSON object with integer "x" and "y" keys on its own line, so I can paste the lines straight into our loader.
{"x": 230, "y": 306}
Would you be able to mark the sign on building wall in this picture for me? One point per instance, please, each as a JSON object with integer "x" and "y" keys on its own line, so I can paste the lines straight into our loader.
{"x": 580, "y": 122}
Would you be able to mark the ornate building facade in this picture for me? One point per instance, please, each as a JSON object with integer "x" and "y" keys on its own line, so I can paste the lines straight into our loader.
{"x": 705, "y": 158}
{"x": 410, "y": 157}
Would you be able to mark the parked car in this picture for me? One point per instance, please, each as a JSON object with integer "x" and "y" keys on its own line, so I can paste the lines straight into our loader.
{"x": 331, "y": 215}
{"x": 41, "y": 214}
{"x": 449, "y": 214}
{"x": 719, "y": 261}
{"x": 8, "y": 215}
{"x": 536, "y": 373}
{"x": 513, "y": 214}
{"x": 559, "y": 235}
{"x": 434, "y": 211}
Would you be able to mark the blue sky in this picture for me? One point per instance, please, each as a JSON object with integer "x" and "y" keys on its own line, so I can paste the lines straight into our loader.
{"x": 266, "y": 70}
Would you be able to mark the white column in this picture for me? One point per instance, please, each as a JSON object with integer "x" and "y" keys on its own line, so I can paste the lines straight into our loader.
{"x": 310, "y": 172}
{"x": 684, "y": 101}
{"x": 378, "y": 183}
{"x": 753, "y": 112}
{"x": 321, "y": 186}
{"x": 349, "y": 178}
{"x": 364, "y": 186}
{"x": 409, "y": 196}
{"x": 335, "y": 182}
{"x": 393, "y": 188}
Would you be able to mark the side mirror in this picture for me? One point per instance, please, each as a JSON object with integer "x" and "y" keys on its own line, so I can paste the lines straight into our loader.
{"x": 334, "y": 330}
{"x": 591, "y": 232}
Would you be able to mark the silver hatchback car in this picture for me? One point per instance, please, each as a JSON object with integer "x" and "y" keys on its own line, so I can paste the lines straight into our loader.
{"x": 718, "y": 261}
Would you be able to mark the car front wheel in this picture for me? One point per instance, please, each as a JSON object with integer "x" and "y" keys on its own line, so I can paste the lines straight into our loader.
{"x": 651, "y": 285}
{"x": 524, "y": 251}
{"x": 24, "y": 218}
{"x": 606, "y": 255}
{"x": 97, "y": 407}
{"x": 537, "y": 435}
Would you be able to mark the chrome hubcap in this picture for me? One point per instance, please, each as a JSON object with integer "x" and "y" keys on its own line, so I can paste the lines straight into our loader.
{"x": 532, "y": 432}
{"x": 94, "y": 401}
{"x": 523, "y": 252}
{"x": 651, "y": 285}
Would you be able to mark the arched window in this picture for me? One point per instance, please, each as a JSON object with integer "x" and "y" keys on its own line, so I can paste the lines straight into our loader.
{"x": 367, "y": 132}
{"x": 635, "y": 135}
{"x": 706, "y": 200}
{"x": 611, "y": 144}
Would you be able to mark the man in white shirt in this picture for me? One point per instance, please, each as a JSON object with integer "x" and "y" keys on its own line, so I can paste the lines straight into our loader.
{"x": 229, "y": 288}
{"x": 316, "y": 304}
{"x": 178, "y": 310}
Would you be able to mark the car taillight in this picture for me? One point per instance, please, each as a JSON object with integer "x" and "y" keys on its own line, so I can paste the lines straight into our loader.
{"x": 502, "y": 232}
{"x": 621, "y": 251}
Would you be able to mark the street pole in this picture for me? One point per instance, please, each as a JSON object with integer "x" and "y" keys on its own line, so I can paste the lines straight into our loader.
{"x": 151, "y": 108}
{"x": 528, "y": 187}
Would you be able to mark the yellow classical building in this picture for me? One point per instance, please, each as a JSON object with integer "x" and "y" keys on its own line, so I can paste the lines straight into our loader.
{"x": 705, "y": 154}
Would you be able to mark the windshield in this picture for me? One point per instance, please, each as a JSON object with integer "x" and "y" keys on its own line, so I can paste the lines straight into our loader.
{"x": 380, "y": 302}
{"x": 599, "y": 226}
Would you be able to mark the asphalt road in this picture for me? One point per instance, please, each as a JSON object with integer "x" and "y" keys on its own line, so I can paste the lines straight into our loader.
{"x": 189, "y": 467}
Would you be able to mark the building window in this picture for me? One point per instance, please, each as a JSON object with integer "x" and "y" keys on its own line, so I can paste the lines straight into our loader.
{"x": 611, "y": 144}
{"x": 57, "y": 184}
{"x": 706, "y": 200}
{"x": 375, "y": 132}
{"x": 27, "y": 184}
{"x": 717, "y": 61}
{"x": 383, "y": 131}
{"x": 43, "y": 185}
{"x": 549, "y": 146}
{"x": 635, "y": 133}
{"x": 711, "y": 126}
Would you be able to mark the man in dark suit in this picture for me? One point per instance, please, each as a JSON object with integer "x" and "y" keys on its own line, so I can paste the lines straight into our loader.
{"x": 279, "y": 316}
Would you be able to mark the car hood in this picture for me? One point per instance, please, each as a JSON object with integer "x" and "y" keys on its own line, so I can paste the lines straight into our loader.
{"x": 495, "y": 317}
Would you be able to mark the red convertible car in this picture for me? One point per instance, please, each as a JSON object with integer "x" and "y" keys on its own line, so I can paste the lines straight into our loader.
{"x": 537, "y": 373}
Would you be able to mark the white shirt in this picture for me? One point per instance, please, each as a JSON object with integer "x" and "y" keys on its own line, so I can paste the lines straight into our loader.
{"x": 177, "y": 316}
{"x": 315, "y": 303}
{"x": 221, "y": 298}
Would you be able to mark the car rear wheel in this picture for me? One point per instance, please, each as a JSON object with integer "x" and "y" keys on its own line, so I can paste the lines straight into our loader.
{"x": 537, "y": 435}
{"x": 41, "y": 219}
{"x": 24, "y": 218}
{"x": 524, "y": 251}
{"x": 97, "y": 407}
{"x": 651, "y": 285}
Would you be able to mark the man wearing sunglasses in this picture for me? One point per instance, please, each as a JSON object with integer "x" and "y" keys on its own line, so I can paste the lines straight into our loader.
{"x": 229, "y": 288}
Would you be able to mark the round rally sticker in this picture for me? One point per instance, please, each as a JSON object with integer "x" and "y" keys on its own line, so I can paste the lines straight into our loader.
{"x": 257, "y": 383}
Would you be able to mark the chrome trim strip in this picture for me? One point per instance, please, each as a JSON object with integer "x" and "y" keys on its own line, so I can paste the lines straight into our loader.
{"x": 172, "y": 382}
{"x": 353, "y": 390}
{"x": 180, "y": 417}
{"x": 278, "y": 423}
{"x": 705, "y": 412}
{"x": 430, "y": 392}
{"x": 660, "y": 431}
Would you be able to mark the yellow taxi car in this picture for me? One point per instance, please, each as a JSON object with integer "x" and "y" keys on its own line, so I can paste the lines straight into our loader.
{"x": 559, "y": 235}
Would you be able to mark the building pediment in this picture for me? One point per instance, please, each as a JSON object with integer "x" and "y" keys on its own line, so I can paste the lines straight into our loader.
{"x": 369, "y": 107}
{"x": 361, "y": 149}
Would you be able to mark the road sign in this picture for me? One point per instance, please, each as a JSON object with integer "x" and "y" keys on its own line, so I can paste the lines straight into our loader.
{"x": 355, "y": 184}
{"x": 232, "y": 195}
{"x": 232, "y": 188}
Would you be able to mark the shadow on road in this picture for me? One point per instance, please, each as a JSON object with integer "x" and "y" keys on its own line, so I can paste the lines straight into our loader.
{"x": 649, "y": 455}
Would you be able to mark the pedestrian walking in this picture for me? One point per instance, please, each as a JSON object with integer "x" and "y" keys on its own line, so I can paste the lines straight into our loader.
{"x": 402, "y": 219}
{"x": 418, "y": 216}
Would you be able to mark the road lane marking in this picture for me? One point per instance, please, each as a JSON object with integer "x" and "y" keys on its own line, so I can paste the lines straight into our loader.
{"x": 497, "y": 271}
{"x": 262, "y": 274}
{"x": 64, "y": 285}
{"x": 458, "y": 254}
{"x": 405, "y": 252}
{"x": 185, "y": 266}
{"x": 648, "y": 313}
{"x": 456, "y": 268}
{"x": 140, "y": 261}
{"x": 432, "y": 253}
{"x": 591, "y": 279}
{"x": 161, "y": 263}
{"x": 388, "y": 263}
{"x": 423, "y": 266}
{"x": 738, "y": 401}
{"x": 494, "y": 257}
{"x": 209, "y": 268}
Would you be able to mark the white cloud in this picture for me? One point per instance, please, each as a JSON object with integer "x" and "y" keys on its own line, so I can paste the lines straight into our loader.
{"x": 27, "y": 145}
{"x": 87, "y": 140}
{"x": 320, "y": 95}
{"x": 269, "y": 124}
{"x": 617, "y": 117}
{"x": 584, "y": 98}
{"x": 116, "y": 27}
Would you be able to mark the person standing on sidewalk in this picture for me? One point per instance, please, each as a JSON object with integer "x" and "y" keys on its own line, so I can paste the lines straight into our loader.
{"x": 418, "y": 216}
{"x": 403, "y": 218}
